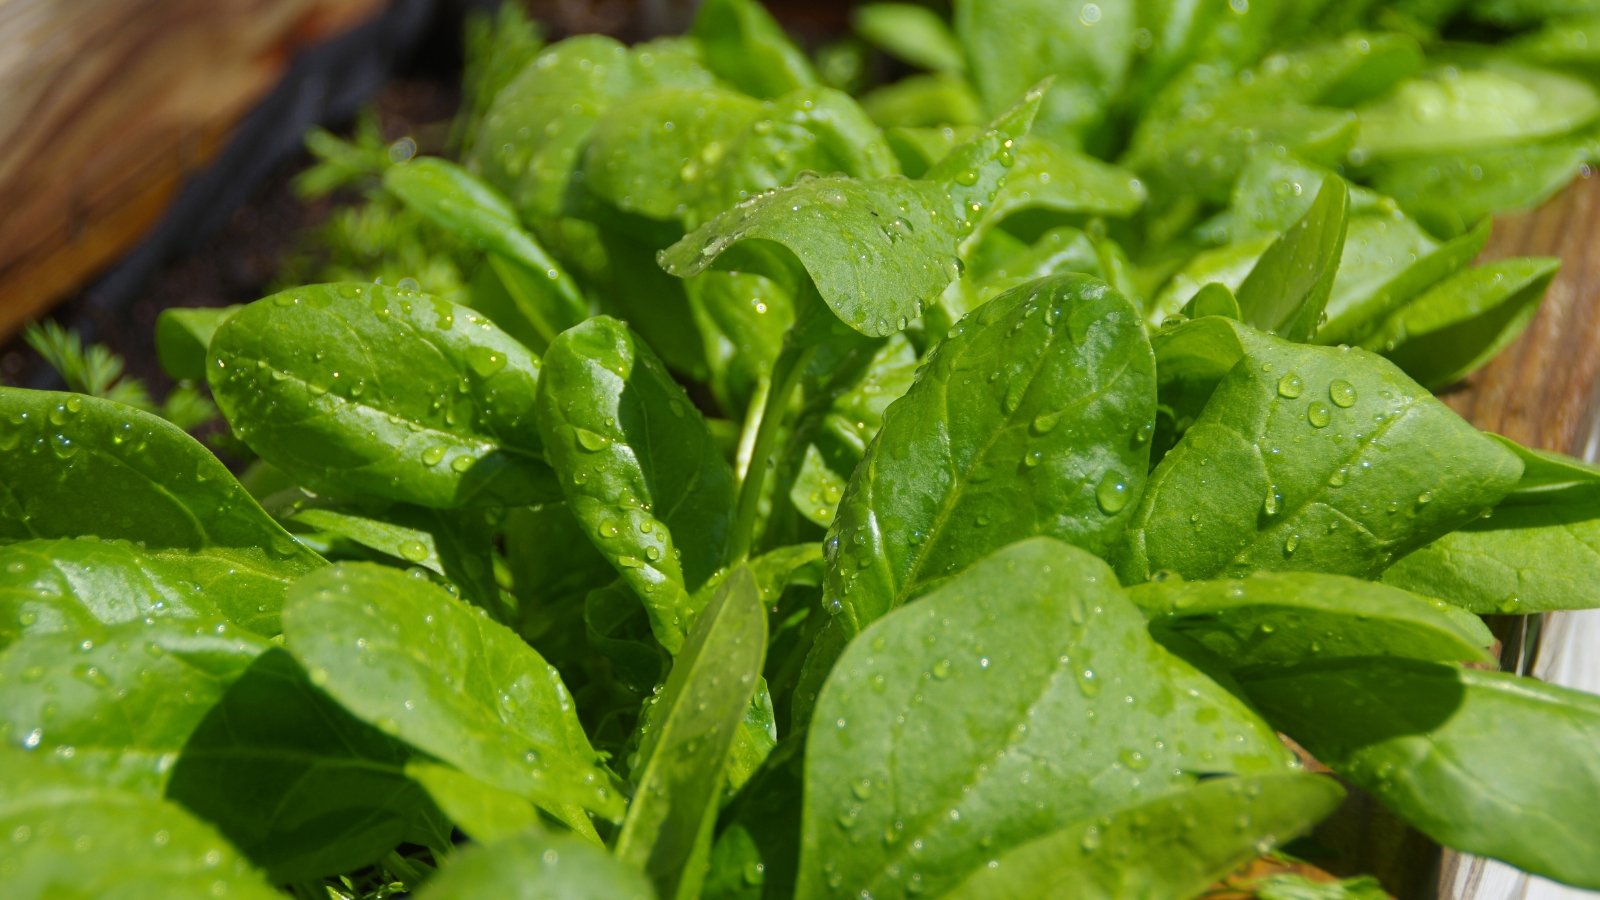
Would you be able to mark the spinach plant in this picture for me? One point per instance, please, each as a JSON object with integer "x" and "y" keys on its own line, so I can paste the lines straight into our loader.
{"x": 702, "y": 480}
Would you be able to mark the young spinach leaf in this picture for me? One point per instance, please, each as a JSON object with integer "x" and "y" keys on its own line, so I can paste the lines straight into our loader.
{"x": 1537, "y": 552}
{"x": 1312, "y": 459}
{"x": 667, "y": 832}
{"x": 1031, "y": 419}
{"x": 746, "y": 47}
{"x": 639, "y": 468}
{"x": 1429, "y": 740}
{"x": 1288, "y": 289}
{"x": 1154, "y": 848}
{"x": 73, "y": 466}
{"x": 937, "y": 712}
{"x": 405, "y": 656}
{"x": 118, "y": 704}
{"x": 906, "y": 230}
{"x": 1278, "y": 618}
{"x": 534, "y": 865}
{"x": 71, "y": 587}
{"x": 142, "y": 847}
{"x": 417, "y": 399}
{"x": 295, "y": 782}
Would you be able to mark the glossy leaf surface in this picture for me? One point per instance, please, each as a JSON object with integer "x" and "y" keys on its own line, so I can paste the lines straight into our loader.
{"x": 535, "y": 865}
{"x": 1277, "y": 619}
{"x": 367, "y": 390}
{"x": 405, "y": 656}
{"x": 667, "y": 832}
{"x": 1430, "y": 742}
{"x": 69, "y": 834}
{"x": 1026, "y": 421}
{"x": 1170, "y": 846}
{"x": 1312, "y": 459}
{"x": 938, "y": 713}
{"x": 639, "y": 468}
{"x": 73, "y": 466}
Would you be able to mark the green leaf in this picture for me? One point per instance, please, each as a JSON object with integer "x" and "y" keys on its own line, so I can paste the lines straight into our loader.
{"x": 1454, "y": 108}
{"x": 1312, "y": 459}
{"x": 1359, "y": 306}
{"x": 1430, "y": 741}
{"x": 667, "y": 832}
{"x": 924, "y": 101}
{"x": 405, "y": 656}
{"x": 1059, "y": 182}
{"x": 1539, "y": 551}
{"x": 1288, "y": 289}
{"x": 1170, "y": 846}
{"x": 183, "y": 336}
{"x": 118, "y": 704}
{"x": 878, "y": 250}
{"x": 1026, "y": 421}
{"x": 910, "y": 33}
{"x": 1009, "y": 47}
{"x": 558, "y": 99}
{"x": 72, "y": 586}
{"x": 1450, "y": 194}
{"x": 535, "y": 865}
{"x": 1543, "y": 470}
{"x": 1463, "y": 321}
{"x": 414, "y": 399}
{"x": 71, "y": 837}
{"x": 1213, "y": 299}
{"x": 962, "y": 716}
{"x": 295, "y": 782}
{"x": 456, "y": 546}
{"x": 747, "y": 48}
{"x": 73, "y": 466}
{"x": 484, "y": 812}
{"x": 1278, "y": 618}
{"x": 640, "y": 469}
{"x": 452, "y": 198}
{"x": 686, "y": 154}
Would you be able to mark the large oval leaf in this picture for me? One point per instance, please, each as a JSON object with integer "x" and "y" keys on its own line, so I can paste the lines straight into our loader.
{"x": 1022, "y": 696}
{"x": 1030, "y": 419}
{"x": 73, "y": 466}
{"x": 70, "y": 837}
{"x": 641, "y": 472}
{"x": 1312, "y": 459}
{"x": 368, "y": 390}
{"x": 405, "y": 656}
{"x": 1449, "y": 750}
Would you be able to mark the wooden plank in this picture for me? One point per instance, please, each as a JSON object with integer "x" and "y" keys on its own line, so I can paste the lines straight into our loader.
{"x": 106, "y": 106}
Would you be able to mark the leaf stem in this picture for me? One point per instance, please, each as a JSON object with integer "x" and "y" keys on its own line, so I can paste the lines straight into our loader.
{"x": 786, "y": 372}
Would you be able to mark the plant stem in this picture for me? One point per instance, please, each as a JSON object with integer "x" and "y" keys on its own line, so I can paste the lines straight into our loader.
{"x": 786, "y": 372}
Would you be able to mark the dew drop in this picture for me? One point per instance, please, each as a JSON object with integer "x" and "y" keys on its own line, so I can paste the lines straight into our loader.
{"x": 1342, "y": 393}
{"x": 1290, "y": 386}
{"x": 1111, "y": 493}
{"x": 1318, "y": 414}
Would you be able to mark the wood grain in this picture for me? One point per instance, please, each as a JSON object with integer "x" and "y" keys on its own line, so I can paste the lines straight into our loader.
{"x": 107, "y": 105}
